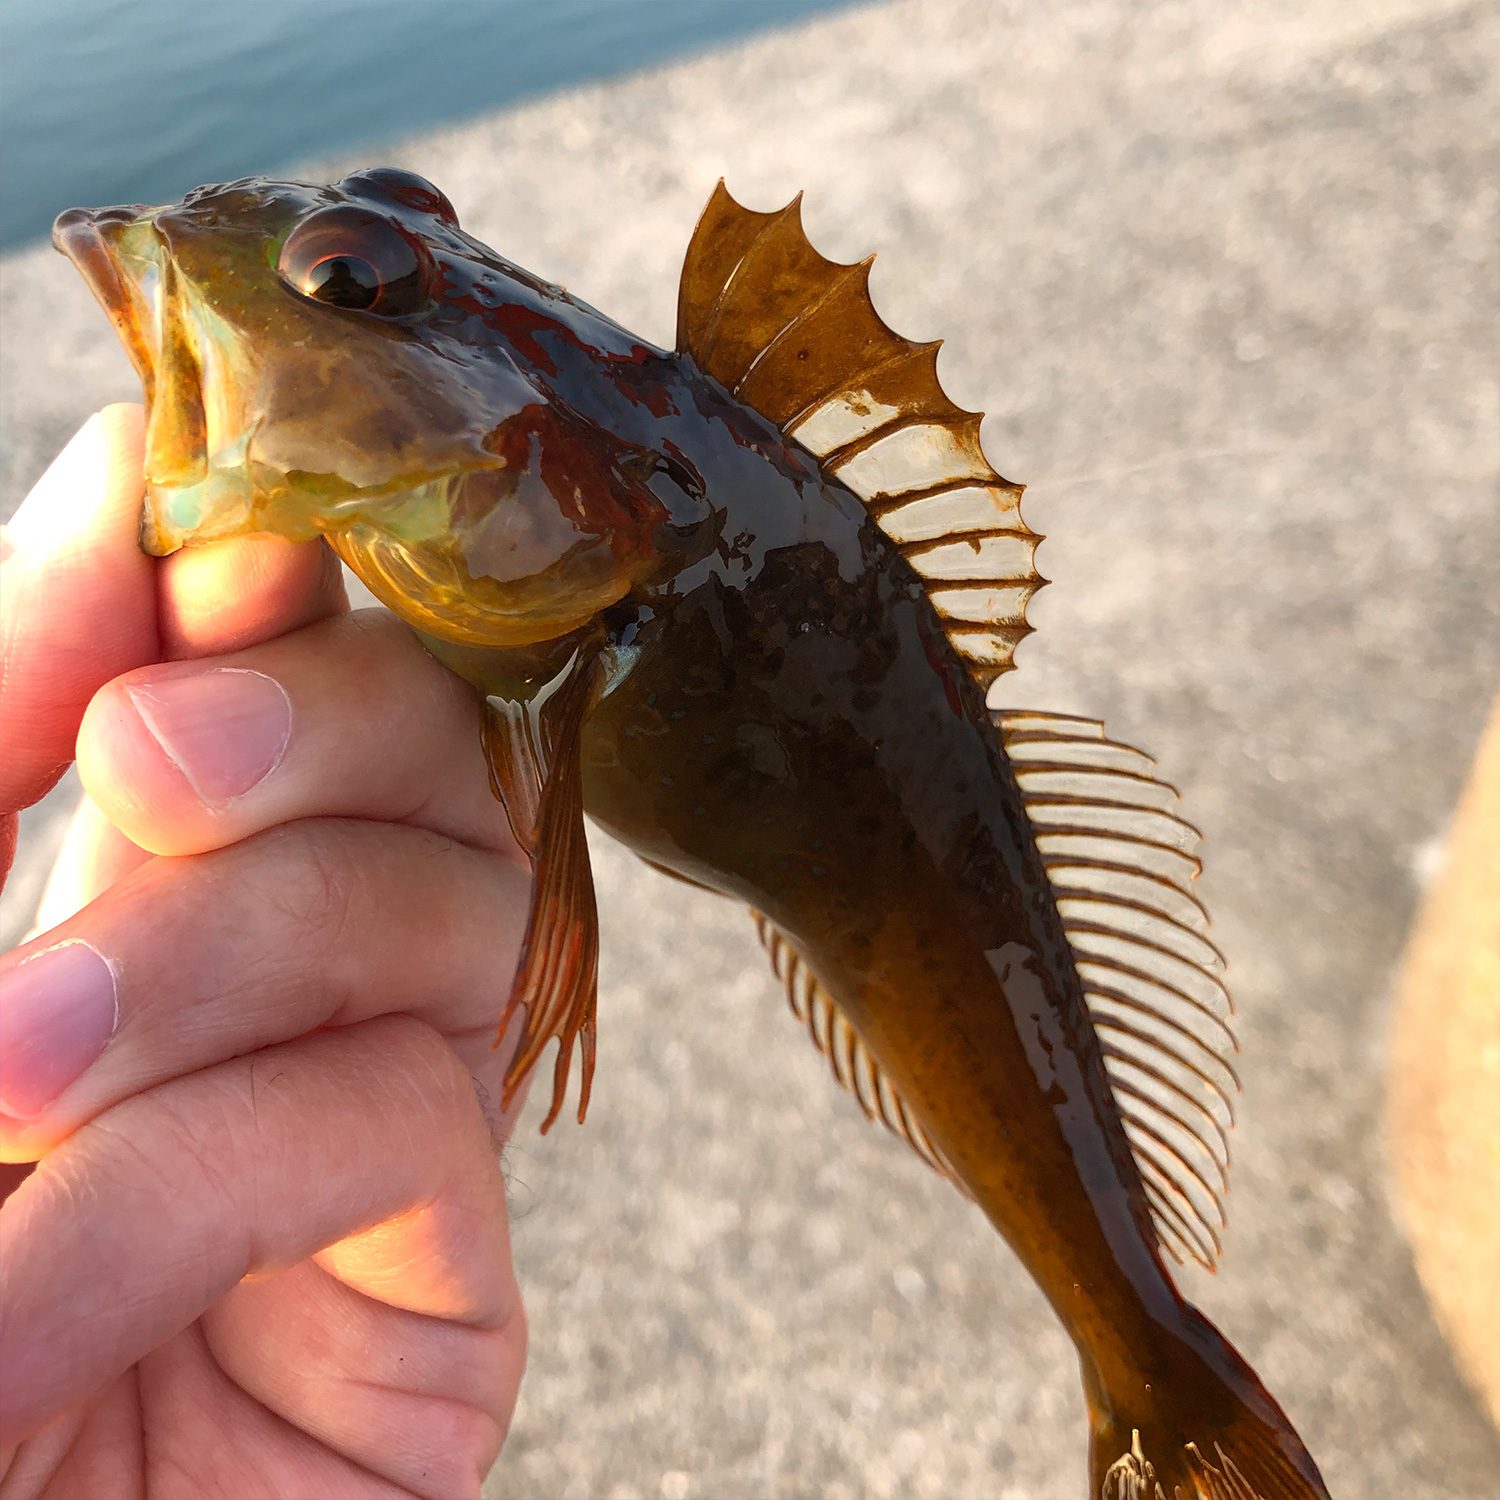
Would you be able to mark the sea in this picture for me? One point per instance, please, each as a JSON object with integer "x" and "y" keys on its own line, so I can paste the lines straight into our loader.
{"x": 126, "y": 101}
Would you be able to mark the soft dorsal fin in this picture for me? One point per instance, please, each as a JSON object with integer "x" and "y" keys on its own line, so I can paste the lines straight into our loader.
{"x": 796, "y": 336}
{"x": 849, "y": 1059}
{"x": 1122, "y": 865}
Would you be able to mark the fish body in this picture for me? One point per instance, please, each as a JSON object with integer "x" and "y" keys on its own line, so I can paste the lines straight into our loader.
{"x": 742, "y": 601}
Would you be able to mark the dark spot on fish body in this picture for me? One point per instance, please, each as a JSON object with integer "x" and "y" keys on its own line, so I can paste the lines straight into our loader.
{"x": 523, "y": 328}
{"x": 698, "y": 681}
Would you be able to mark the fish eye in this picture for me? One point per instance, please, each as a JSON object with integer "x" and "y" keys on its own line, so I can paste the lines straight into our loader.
{"x": 407, "y": 189}
{"x": 352, "y": 258}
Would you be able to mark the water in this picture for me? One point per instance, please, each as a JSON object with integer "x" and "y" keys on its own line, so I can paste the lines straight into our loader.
{"x": 115, "y": 101}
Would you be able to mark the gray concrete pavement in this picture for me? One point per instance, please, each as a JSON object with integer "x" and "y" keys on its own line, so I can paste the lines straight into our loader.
{"x": 1226, "y": 283}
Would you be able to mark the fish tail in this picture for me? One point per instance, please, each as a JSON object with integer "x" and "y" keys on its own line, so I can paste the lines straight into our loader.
{"x": 1195, "y": 1423}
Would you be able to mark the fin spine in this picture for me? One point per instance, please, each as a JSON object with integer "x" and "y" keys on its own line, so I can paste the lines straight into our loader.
{"x": 840, "y": 386}
{"x": 846, "y": 274}
{"x": 705, "y": 348}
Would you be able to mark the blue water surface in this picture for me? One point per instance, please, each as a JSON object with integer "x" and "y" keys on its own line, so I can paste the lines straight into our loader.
{"x": 122, "y": 101}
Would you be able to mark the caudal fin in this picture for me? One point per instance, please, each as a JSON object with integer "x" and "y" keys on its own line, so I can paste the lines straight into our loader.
{"x": 1196, "y": 1425}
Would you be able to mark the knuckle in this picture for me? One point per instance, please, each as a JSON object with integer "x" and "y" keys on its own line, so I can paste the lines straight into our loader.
{"x": 311, "y": 884}
{"x": 435, "y": 1069}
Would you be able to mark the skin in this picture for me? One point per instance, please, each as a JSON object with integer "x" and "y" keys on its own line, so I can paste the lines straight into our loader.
{"x": 264, "y": 1253}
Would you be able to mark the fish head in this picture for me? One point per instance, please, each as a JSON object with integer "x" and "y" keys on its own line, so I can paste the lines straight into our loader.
{"x": 343, "y": 361}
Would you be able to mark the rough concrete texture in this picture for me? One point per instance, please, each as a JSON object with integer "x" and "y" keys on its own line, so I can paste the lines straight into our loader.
{"x": 1225, "y": 281}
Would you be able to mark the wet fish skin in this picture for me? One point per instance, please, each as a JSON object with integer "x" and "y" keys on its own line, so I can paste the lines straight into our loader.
{"x": 687, "y": 623}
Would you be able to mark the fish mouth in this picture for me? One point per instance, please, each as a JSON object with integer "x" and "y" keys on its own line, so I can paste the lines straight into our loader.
{"x": 128, "y": 266}
{"x": 85, "y": 236}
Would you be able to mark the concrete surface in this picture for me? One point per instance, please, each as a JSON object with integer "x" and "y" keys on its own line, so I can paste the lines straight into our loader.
{"x": 1225, "y": 280}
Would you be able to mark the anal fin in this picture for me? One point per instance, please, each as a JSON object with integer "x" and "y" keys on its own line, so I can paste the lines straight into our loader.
{"x": 849, "y": 1060}
{"x": 532, "y": 747}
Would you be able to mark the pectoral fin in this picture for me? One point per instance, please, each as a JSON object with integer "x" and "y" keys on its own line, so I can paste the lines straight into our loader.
{"x": 532, "y": 746}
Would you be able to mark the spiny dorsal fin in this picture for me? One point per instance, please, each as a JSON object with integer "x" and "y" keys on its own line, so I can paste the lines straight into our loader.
{"x": 849, "y": 1059}
{"x": 1122, "y": 865}
{"x": 796, "y": 336}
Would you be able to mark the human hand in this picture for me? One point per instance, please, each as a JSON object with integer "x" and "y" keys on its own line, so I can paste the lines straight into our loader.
{"x": 264, "y": 1248}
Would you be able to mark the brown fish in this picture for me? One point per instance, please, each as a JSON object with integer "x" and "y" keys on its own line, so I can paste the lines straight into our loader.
{"x": 743, "y": 602}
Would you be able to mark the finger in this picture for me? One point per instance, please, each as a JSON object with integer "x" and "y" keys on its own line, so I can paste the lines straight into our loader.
{"x": 80, "y": 601}
{"x": 232, "y": 594}
{"x": 94, "y": 855}
{"x": 77, "y": 599}
{"x": 328, "y": 1353}
{"x": 151, "y": 1215}
{"x": 350, "y": 718}
{"x": 321, "y": 923}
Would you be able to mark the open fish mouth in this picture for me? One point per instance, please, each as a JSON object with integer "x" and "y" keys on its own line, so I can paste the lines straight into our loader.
{"x": 192, "y": 494}
{"x": 88, "y": 237}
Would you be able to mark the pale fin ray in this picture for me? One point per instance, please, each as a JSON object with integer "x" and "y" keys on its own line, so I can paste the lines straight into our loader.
{"x": 1118, "y": 851}
{"x": 1188, "y": 1214}
{"x": 959, "y": 510}
{"x": 1167, "y": 1109}
{"x": 1121, "y": 861}
{"x": 1134, "y": 1477}
{"x": 1144, "y": 924}
{"x": 1186, "y": 1173}
{"x": 1138, "y": 888}
{"x": 1106, "y": 1020}
{"x": 849, "y": 1060}
{"x": 1139, "y": 825}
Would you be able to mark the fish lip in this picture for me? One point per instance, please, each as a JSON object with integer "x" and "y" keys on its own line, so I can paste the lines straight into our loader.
{"x": 148, "y": 321}
{"x": 80, "y": 234}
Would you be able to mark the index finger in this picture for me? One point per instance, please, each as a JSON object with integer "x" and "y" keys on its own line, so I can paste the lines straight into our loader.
{"x": 81, "y": 603}
{"x": 77, "y": 600}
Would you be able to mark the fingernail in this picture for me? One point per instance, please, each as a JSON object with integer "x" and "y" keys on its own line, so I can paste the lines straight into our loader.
{"x": 225, "y": 729}
{"x": 58, "y": 1009}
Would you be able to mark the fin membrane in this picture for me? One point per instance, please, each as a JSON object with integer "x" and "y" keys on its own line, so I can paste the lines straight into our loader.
{"x": 849, "y": 1060}
{"x": 1122, "y": 865}
{"x": 533, "y": 752}
{"x": 1133, "y": 1477}
{"x": 797, "y": 337}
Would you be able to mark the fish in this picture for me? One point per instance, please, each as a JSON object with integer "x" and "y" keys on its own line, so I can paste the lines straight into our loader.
{"x": 743, "y": 603}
